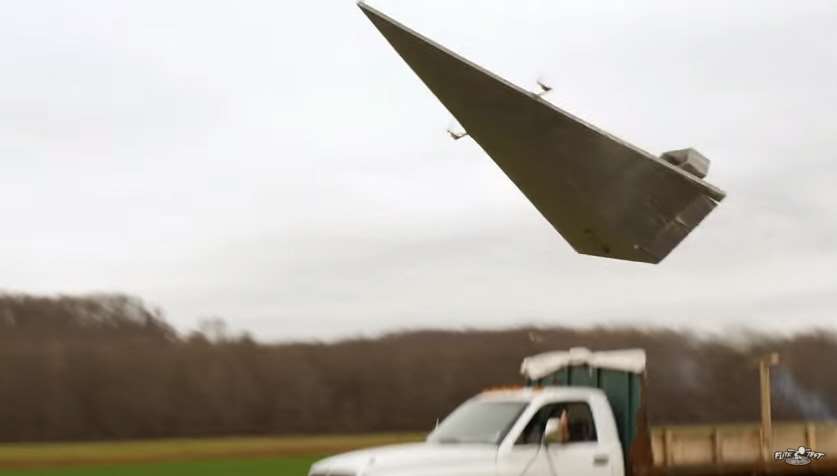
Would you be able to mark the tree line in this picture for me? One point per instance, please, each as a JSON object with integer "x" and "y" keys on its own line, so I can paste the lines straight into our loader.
{"x": 108, "y": 367}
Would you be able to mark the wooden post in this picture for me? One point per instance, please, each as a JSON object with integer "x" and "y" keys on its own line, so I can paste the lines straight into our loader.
{"x": 766, "y": 424}
{"x": 811, "y": 435}
{"x": 668, "y": 450}
{"x": 766, "y": 417}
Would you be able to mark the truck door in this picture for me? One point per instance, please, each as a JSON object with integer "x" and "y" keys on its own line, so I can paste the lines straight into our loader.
{"x": 581, "y": 454}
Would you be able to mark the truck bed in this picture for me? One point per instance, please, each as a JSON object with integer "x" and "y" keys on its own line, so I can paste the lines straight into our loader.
{"x": 736, "y": 449}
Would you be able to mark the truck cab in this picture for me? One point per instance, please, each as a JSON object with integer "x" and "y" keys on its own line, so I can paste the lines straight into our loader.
{"x": 503, "y": 432}
{"x": 590, "y": 445}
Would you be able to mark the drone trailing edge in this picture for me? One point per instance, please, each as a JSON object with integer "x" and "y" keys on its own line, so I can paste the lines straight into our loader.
{"x": 604, "y": 196}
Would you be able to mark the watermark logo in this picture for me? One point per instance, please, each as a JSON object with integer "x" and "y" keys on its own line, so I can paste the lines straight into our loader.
{"x": 798, "y": 457}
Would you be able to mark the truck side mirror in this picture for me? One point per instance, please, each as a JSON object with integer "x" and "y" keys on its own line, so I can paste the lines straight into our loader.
{"x": 555, "y": 431}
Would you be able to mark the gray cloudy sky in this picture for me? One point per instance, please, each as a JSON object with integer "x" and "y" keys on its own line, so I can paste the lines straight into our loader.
{"x": 277, "y": 164}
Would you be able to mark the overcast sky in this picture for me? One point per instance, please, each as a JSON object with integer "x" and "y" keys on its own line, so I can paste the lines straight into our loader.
{"x": 277, "y": 164}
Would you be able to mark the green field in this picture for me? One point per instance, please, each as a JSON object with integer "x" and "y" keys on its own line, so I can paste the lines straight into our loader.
{"x": 289, "y": 456}
{"x": 290, "y": 466}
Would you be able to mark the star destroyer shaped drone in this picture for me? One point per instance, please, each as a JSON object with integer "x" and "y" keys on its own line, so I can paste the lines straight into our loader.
{"x": 604, "y": 196}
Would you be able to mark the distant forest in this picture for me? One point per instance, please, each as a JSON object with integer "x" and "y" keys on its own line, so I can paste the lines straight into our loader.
{"x": 107, "y": 367}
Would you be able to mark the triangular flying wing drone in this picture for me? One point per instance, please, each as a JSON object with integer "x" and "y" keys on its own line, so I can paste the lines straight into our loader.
{"x": 603, "y": 195}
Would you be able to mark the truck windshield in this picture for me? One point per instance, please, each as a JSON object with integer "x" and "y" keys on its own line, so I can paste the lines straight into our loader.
{"x": 478, "y": 422}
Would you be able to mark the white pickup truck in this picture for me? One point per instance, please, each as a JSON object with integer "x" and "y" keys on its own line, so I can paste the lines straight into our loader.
{"x": 582, "y": 413}
{"x": 499, "y": 432}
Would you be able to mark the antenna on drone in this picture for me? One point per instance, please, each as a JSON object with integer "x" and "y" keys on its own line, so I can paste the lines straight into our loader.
{"x": 455, "y": 131}
{"x": 544, "y": 85}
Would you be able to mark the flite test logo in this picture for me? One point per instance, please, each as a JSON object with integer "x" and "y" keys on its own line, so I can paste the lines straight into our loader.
{"x": 798, "y": 457}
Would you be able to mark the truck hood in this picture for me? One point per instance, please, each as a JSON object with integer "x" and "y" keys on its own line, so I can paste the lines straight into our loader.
{"x": 411, "y": 459}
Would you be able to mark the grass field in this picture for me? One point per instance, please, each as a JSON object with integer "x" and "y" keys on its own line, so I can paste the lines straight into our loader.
{"x": 289, "y": 456}
{"x": 290, "y": 466}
